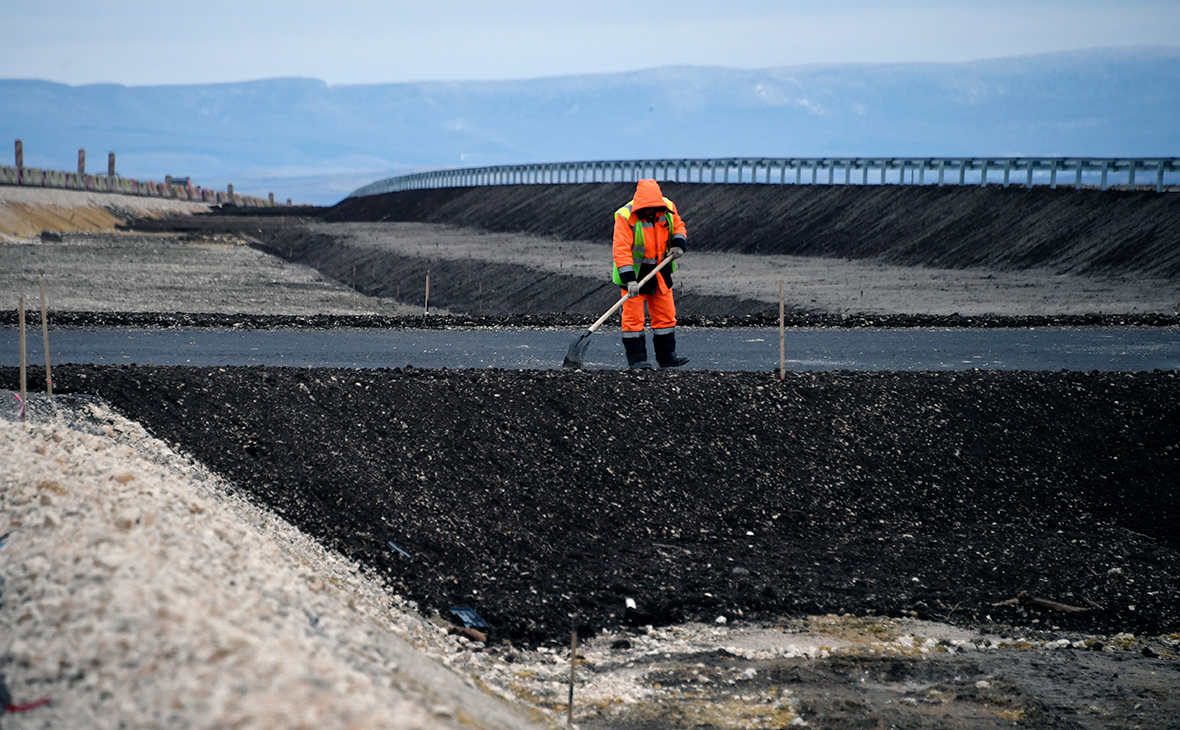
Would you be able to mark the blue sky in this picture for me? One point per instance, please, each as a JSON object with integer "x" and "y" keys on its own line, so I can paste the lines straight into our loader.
{"x": 148, "y": 42}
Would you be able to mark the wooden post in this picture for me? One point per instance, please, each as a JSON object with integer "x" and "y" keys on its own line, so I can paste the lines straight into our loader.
{"x": 23, "y": 391}
{"x": 45, "y": 335}
{"x": 81, "y": 162}
{"x": 782, "y": 335}
{"x": 481, "y": 297}
{"x": 111, "y": 164}
{"x": 426, "y": 301}
{"x": 20, "y": 154}
{"x": 569, "y": 715}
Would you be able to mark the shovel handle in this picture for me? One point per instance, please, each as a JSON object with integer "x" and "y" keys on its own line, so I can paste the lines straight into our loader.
{"x": 627, "y": 296}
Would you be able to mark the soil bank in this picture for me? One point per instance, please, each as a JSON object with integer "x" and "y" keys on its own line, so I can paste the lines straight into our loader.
{"x": 1007, "y": 229}
{"x": 532, "y": 496}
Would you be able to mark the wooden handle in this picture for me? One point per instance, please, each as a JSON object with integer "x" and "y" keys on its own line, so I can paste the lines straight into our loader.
{"x": 627, "y": 296}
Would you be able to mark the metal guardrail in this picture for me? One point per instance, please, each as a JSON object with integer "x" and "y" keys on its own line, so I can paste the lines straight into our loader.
{"x": 35, "y": 177}
{"x": 1100, "y": 172}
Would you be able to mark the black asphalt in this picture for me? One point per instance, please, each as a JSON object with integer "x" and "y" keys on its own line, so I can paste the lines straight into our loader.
{"x": 732, "y": 349}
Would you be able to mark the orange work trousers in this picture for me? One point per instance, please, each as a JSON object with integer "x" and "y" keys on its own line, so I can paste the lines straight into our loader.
{"x": 660, "y": 307}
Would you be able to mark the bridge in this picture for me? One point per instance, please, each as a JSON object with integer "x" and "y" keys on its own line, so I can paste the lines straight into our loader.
{"x": 1155, "y": 173}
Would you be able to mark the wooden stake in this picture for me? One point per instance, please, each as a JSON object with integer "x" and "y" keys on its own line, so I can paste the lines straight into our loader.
{"x": 426, "y": 302}
{"x": 782, "y": 335}
{"x": 45, "y": 334}
{"x": 569, "y": 716}
{"x": 481, "y": 297}
{"x": 23, "y": 391}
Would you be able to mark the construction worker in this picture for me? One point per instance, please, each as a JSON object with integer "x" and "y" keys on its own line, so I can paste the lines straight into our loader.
{"x": 647, "y": 229}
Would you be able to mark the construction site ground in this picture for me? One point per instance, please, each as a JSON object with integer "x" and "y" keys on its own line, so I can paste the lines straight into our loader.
{"x": 830, "y": 550}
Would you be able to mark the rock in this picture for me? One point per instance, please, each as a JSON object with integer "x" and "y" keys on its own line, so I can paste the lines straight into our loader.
{"x": 127, "y": 519}
{"x": 473, "y": 634}
{"x": 720, "y": 620}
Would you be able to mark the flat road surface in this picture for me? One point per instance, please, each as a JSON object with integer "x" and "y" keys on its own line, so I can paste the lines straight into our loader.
{"x": 1051, "y": 348}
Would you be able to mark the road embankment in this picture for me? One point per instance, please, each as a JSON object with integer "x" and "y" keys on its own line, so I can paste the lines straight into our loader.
{"x": 1089, "y": 232}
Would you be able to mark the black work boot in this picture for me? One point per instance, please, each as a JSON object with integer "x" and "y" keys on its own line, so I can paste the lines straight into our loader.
{"x": 665, "y": 347}
{"x": 636, "y": 348}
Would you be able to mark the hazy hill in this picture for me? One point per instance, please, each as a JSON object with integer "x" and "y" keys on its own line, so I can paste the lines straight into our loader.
{"x": 314, "y": 142}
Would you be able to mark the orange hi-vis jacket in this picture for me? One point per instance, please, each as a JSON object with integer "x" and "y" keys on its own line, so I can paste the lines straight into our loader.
{"x": 639, "y": 246}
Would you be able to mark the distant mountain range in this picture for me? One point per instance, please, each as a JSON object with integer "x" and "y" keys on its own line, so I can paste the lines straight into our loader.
{"x": 313, "y": 142}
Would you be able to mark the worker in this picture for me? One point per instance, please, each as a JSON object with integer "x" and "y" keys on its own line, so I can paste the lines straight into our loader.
{"x": 647, "y": 229}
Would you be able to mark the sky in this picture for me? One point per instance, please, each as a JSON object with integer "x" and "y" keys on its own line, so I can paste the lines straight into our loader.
{"x": 149, "y": 42}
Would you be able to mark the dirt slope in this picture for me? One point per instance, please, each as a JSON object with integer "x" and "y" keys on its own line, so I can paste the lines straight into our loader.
{"x": 1068, "y": 231}
{"x": 533, "y": 495}
{"x": 26, "y": 211}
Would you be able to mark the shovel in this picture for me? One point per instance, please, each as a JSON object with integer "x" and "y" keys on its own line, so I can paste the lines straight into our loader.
{"x": 573, "y": 358}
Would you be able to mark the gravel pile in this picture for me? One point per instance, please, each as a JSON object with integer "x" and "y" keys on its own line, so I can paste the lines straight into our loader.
{"x": 138, "y": 592}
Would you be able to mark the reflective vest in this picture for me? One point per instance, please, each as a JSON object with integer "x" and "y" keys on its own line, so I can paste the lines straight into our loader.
{"x": 637, "y": 246}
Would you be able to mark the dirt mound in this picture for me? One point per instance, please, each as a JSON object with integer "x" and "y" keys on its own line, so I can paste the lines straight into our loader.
{"x": 26, "y": 211}
{"x": 534, "y": 495}
{"x": 1068, "y": 231}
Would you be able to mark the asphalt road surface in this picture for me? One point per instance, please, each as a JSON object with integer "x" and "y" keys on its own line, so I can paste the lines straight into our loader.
{"x": 1067, "y": 348}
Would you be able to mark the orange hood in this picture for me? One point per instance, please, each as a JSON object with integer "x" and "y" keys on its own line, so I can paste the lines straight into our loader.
{"x": 648, "y": 195}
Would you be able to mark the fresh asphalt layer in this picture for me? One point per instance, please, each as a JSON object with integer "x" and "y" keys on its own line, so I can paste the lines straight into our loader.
{"x": 732, "y": 349}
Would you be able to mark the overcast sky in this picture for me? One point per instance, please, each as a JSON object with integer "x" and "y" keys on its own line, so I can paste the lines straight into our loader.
{"x": 138, "y": 42}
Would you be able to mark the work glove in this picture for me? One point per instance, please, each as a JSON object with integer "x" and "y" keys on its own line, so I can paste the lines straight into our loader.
{"x": 633, "y": 288}
{"x": 676, "y": 252}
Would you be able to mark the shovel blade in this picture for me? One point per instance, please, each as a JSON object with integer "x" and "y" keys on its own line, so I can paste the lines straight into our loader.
{"x": 573, "y": 358}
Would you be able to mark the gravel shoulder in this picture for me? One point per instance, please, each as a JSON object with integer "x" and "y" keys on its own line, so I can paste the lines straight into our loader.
{"x": 129, "y": 272}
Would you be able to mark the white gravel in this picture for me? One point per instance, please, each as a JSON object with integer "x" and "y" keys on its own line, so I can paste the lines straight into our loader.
{"x": 140, "y": 593}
